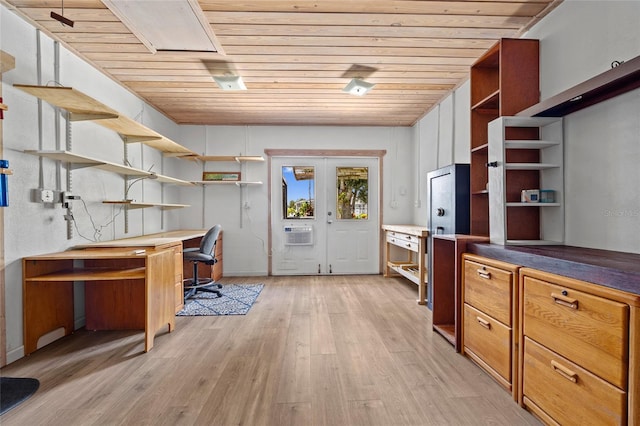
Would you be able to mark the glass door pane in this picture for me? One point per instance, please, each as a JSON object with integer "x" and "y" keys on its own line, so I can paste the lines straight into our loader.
{"x": 352, "y": 185}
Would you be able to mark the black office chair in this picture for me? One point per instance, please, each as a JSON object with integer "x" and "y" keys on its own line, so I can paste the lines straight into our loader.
{"x": 206, "y": 254}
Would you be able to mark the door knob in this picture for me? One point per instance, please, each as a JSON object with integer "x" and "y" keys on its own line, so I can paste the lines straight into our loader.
{"x": 440, "y": 211}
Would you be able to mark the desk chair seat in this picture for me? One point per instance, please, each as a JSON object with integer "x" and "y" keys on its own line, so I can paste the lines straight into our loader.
{"x": 206, "y": 254}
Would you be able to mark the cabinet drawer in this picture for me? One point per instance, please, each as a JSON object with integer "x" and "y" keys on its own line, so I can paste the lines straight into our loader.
{"x": 489, "y": 340}
{"x": 567, "y": 392}
{"x": 403, "y": 242}
{"x": 489, "y": 289}
{"x": 589, "y": 330}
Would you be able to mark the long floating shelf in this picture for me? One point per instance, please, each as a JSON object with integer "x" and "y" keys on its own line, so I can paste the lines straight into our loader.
{"x": 611, "y": 83}
{"x": 84, "y": 108}
{"x": 231, "y": 158}
{"x": 136, "y": 205}
{"x": 226, "y": 182}
{"x": 80, "y": 161}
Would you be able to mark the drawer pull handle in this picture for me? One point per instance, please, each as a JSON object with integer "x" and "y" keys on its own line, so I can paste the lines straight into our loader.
{"x": 483, "y": 322}
{"x": 564, "y": 372}
{"x": 565, "y": 301}
{"x": 408, "y": 245}
{"x": 484, "y": 273}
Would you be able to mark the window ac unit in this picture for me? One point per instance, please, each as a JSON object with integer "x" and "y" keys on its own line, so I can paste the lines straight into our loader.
{"x": 298, "y": 235}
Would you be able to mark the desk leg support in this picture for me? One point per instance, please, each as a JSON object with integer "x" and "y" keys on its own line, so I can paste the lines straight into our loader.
{"x": 422, "y": 286}
{"x": 160, "y": 295}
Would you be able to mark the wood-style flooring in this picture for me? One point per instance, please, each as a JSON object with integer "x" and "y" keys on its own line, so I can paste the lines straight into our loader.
{"x": 337, "y": 350}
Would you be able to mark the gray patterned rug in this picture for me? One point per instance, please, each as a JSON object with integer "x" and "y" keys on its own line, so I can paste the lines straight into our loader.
{"x": 236, "y": 299}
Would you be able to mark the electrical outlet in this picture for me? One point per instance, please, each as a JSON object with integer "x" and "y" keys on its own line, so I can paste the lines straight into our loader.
{"x": 46, "y": 195}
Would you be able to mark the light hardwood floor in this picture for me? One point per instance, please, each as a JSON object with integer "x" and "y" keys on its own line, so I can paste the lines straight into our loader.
{"x": 338, "y": 350}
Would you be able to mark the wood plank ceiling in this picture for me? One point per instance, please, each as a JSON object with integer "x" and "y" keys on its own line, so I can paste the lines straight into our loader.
{"x": 296, "y": 56}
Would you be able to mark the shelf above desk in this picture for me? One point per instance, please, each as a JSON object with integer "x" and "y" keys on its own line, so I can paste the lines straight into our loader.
{"x": 231, "y": 158}
{"x": 81, "y": 161}
{"x": 136, "y": 205}
{"x": 84, "y": 108}
{"x": 226, "y": 182}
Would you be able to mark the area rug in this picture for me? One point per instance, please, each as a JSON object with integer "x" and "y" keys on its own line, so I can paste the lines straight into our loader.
{"x": 236, "y": 299}
{"x": 14, "y": 391}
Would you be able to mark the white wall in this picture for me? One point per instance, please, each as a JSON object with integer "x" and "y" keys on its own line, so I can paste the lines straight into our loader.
{"x": 245, "y": 229}
{"x": 578, "y": 40}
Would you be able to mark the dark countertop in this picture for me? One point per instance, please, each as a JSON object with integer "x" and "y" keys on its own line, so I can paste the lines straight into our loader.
{"x": 613, "y": 269}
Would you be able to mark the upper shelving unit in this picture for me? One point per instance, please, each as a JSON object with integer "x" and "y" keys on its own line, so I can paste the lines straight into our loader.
{"x": 513, "y": 221}
{"x": 611, "y": 83}
{"x": 81, "y": 161}
{"x": 84, "y": 108}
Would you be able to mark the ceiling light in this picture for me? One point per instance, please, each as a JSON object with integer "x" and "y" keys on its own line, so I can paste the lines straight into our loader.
{"x": 230, "y": 82}
{"x": 358, "y": 87}
{"x": 167, "y": 25}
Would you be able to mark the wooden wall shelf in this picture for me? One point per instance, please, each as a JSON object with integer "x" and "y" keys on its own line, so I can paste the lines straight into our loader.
{"x": 136, "y": 205}
{"x": 82, "y": 107}
{"x": 81, "y": 161}
{"x": 231, "y": 158}
{"x": 226, "y": 182}
{"x": 611, "y": 83}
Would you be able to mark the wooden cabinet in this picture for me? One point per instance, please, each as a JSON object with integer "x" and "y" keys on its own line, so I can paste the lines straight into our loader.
{"x": 580, "y": 355}
{"x": 539, "y": 221}
{"x": 490, "y": 318}
{"x": 504, "y": 81}
{"x": 446, "y": 284}
{"x": 411, "y": 263}
{"x": 448, "y": 189}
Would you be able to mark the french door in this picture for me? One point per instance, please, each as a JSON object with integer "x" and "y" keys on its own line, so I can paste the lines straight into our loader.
{"x": 325, "y": 217}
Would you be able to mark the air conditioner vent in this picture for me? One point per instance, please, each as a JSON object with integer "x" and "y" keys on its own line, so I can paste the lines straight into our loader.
{"x": 298, "y": 235}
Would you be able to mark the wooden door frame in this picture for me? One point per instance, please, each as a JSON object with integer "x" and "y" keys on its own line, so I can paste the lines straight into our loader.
{"x": 320, "y": 153}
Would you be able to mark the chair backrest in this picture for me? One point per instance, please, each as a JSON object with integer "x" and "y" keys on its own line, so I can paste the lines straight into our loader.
{"x": 208, "y": 243}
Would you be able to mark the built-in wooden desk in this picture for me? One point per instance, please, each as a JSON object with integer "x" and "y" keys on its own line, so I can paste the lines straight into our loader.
{"x": 157, "y": 241}
{"x": 173, "y": 240}
{"x": 124, "y": 290}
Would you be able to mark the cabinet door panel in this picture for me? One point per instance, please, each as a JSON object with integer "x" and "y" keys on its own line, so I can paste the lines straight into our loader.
{"x": 488, "y": 289}
{"x": 489, "y": 340}
{"x": 590, "y": 330}
{"x": 567, "y": 392}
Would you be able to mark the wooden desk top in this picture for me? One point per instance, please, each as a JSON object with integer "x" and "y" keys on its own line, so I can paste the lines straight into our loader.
{"x": 101, "y": 253}
{"x": 418, "y": 231}
{"x": 152, "y": 240}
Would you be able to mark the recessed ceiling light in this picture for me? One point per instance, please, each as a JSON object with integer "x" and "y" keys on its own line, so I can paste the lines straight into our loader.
{"x": 358, "y": 87}
{"x": 230, "y": 82}
{"x": 169, "y": 25}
